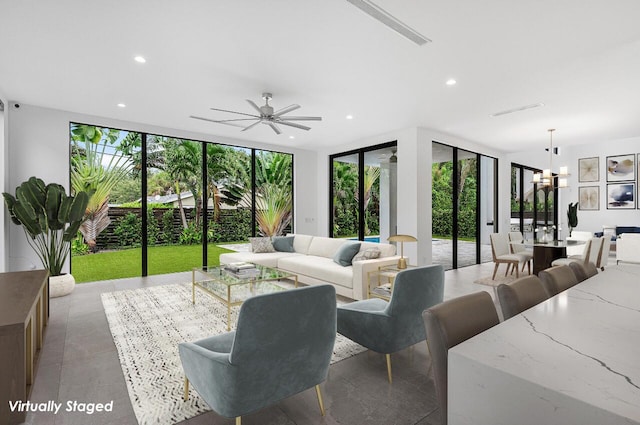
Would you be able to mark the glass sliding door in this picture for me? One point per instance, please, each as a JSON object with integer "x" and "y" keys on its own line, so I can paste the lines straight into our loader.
{"x": 175, "y": 206}
{"x": 274, "y": 193}
{"x": 464, "y": 204}
{"x": 363, "y": 196}
{"x": 103, "y": 163}
{"x": 532, "y": 206}
{"x": 466, "y": 207}
{"x": 442, "y": 205}
{"x": 345, "y": 212}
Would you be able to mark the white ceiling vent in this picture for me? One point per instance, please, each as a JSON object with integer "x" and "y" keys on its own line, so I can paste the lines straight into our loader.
{"x": 521, "y": 108}
{"x": 378, "y": 13}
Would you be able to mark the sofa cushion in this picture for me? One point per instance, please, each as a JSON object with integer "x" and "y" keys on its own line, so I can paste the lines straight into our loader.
{"x": 325, "y": 247}
{"x": 367, "y": 254}
{"x": 261, "y": 245}
{"x": 269, "y": 259}
{"x": 301, "y": 243}
{"x": 283, "y": 243}
{"x": 386, "y": 249}
{"x": 320, "y": 268}
{"x": 345, "y": 254}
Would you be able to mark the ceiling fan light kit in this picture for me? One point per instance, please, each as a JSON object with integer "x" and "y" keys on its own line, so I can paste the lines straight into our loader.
{"x": 266, "y": 115}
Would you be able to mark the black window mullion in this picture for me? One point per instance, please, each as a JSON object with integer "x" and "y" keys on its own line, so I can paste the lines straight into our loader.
{"x": 253, "y": 193}
{"x": 478, "y": 194}
{"x": 205, "y": 207}
{"x": 455, "y": 184}
{"x": 145, "y": 232}
{"x": 361, "y": 218}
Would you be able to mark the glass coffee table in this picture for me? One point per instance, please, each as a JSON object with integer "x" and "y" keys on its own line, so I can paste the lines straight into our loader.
{"x": 232, "y": 290}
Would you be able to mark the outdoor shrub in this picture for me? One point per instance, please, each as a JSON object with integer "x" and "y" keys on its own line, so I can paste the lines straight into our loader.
{"x": 191, "y": 235}
{"x": 153, "y": 230}
{"x": 166, "y": 236}
{"x": 128, "y": 230}
{"x": 78, "y": 247}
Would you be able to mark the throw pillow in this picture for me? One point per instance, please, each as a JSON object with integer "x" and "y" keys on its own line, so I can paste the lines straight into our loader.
{"x": 283, "y": 243}
{"x": 345, "y": 254}
{"x": 261, "y": 245}
{"x": 367, "y": 254}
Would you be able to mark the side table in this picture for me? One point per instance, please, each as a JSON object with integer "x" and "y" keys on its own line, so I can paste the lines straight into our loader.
{"x": 384, "y": 277}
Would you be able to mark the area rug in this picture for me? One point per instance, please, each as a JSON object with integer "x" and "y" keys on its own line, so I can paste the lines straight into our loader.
{"x": 148, "y": 324}
{"x": 497, "y": 281}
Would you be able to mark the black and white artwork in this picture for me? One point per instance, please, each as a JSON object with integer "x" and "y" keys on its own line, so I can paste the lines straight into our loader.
{"x": 621, "y": 196}
{"x": 621, "y": 168}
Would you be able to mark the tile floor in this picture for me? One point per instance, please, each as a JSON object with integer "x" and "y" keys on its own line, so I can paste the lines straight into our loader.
{"x": 79, "y": 361}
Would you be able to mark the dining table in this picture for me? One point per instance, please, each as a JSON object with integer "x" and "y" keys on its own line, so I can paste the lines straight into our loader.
{"x": 545, "y": 252}
{"x": 572, "y": 359}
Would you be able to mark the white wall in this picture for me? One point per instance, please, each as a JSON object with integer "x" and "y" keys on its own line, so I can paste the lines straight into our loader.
{"x": 414, "y": 183}
{"x": 3, "y": 176}
{"x": 38, "y": 144}
{"x": 591, "y": 221}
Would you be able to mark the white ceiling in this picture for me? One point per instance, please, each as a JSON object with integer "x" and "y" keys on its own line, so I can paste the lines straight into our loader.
{"x": 581, "y": 58}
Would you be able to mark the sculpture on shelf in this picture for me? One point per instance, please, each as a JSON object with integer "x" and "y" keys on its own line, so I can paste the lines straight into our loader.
{"x": 572, "y": 216}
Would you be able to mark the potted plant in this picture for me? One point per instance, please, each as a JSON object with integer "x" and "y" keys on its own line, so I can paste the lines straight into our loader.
{"x": 572, "y": 217}
{"x": 50, "y": 220}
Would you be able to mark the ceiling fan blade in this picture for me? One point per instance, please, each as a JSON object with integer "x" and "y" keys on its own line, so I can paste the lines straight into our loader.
{"x": 275, "y": 128}
{"x": 285, "y": 110}
{"x": 252, "y": 125}
{"x": 292, "y": 124}
{"x": 216, "y": 121}
{"x": 256, "y": 107}
{"x": 302, "y": 118}
{"x": 234, "y": 112}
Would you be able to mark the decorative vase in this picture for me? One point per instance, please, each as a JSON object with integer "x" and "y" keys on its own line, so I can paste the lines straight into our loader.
{"x": 62, "y": 285}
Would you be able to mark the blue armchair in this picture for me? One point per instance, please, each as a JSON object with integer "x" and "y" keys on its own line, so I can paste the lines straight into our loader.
{"x": 387, "y": 327}
{"x": 282, "y": 346}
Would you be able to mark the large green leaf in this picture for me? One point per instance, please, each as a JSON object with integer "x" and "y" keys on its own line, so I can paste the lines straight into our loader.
{"x": 53, "y": 202}
{"x": 27, "y": 217}
{"x": 78, "y": 207}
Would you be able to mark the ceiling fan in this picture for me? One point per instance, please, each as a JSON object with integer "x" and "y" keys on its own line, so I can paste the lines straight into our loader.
{"x": 266, "y": 116}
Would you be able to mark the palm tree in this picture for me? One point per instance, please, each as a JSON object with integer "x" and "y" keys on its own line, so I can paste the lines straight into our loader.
{"x": 371, "y": 175}
{"x": 96, "y": 168}
{"x": 182, "y": 162}
{"x": 273, "y": 209}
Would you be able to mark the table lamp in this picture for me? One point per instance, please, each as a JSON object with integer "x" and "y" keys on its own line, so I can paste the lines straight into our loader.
{"x": 402, "y": 262}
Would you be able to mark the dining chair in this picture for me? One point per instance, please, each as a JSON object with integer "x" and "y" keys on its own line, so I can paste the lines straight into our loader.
{"x": 282, "y": 346}
{"x": 589, "y": 253}
{"x": 557, "y": 279}
{"x": 447, "y": 325}
{"x": 520, "y": 295}
{"x": 583, "y": 271}
{"x": 501, "y": 253}
{"x": 387, "y": 327}
{"x": 516, "y": 241}
{"x": 603, "y": 256}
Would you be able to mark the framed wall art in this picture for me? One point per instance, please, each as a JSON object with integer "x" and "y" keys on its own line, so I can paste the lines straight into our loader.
{"x": 621, "y": 168}
{"x": 621, "y": 196}
{"x": 589, "y": 198}
{"x": 589, "y": 169}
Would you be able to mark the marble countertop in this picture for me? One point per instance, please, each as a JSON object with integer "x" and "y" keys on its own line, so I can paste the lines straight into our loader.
{"x": 581, "y": 347}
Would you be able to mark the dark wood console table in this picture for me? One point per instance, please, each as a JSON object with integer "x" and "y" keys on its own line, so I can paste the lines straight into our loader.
{"x": 24, "y": 313}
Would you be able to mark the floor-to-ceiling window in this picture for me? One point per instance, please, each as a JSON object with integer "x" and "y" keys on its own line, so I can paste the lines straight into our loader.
{"x": 199, "y": 199}
{"x": 363, "y": 193}
{"x": 463, "y": 206}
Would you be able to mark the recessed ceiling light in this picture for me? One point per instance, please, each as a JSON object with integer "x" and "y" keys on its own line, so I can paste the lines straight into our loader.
{"x": 291, "y": 137}
{"x": 139, "y": 59}
{"x": 451, "y": 82}
{"x": 121, "y": 105}
{"x": 349, "y": 117}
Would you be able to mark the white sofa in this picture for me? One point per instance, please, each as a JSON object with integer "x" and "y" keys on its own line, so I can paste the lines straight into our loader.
{"x": 628, "y": 248}
{"x": 313, "y": 263}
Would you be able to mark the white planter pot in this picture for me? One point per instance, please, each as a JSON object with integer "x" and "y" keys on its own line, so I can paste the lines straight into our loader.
{"x": 62, "y": 285}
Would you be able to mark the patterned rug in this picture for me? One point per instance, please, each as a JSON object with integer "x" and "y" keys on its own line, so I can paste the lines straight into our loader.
{"x": 148, "y": 324}
{"x": 497, "y": 281}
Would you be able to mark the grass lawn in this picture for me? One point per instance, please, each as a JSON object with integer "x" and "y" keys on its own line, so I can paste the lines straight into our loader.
{"x": 127, "y": 262}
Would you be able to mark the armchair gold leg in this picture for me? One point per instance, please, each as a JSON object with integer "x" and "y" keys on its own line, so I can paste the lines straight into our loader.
{"x": 319, "y": 394}
{"x": 238, "y": 420}
{"x": 186, "y": 388}
{"x": 388, "y": 356}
